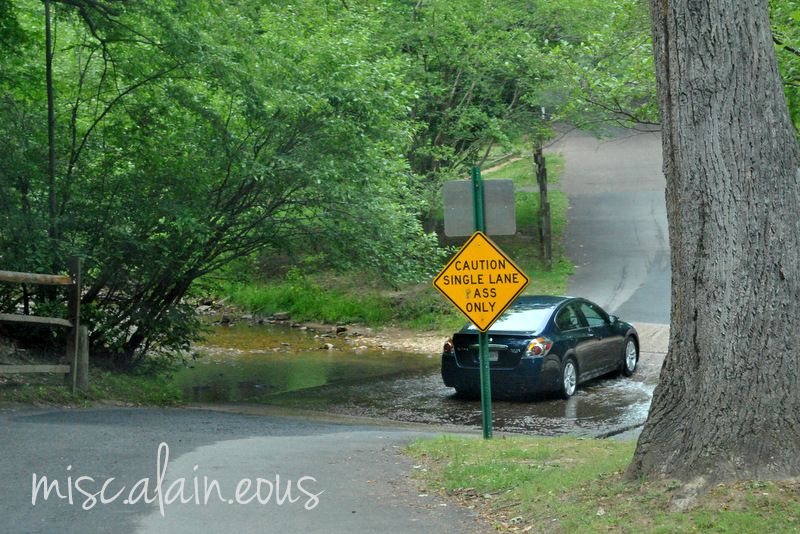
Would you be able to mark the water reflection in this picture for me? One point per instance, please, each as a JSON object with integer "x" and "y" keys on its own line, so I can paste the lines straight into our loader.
{"x": 245, "y": 364}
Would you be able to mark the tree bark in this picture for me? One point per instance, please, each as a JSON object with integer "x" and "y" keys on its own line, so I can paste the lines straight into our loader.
{"x": 728, "y": 402}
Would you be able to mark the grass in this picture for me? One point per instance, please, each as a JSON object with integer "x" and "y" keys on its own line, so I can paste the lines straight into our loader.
{"x": 305, "y": 300}
{"x": 522, "y": 171}
{"x": 576, "y": 485}
{"x": 154, "y": 389}
{"x": 525, "y": 249}
{"x": 347, "y": 300}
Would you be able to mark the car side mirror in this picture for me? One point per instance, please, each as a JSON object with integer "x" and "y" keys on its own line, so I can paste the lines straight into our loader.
{"x": 612, "y": 319}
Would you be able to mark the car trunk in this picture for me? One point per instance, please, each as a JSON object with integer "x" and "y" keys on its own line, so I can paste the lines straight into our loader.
{"x": 505, "y": 350}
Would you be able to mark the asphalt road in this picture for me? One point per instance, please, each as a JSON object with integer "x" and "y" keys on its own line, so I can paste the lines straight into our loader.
{"x": 616, "y": 231}
{"x": 360, "y": 479}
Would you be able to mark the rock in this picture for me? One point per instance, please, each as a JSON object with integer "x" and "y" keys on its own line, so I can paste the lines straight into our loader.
{"x": 246, "y": 317}
{"x": 226, "y": 320}
{"x": 339, "y": 329}
{"x": 280, "y": 316}
{"x": 328, "y": 346}
{"x": 204, "y": 308}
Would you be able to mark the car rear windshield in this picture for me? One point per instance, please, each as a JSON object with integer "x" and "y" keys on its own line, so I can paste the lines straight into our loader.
{"x": 522, "y": 319}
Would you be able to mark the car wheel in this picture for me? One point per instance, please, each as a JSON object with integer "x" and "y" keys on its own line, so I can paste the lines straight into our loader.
{"x": 631, "y": 357}
{"x": 569, "y": 378}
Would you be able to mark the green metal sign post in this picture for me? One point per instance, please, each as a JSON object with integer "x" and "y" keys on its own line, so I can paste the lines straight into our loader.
{"x": 483, "y": 337}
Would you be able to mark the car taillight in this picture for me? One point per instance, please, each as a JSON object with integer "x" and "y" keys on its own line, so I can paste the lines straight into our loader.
{"x": 539, "y": 347}
{"x": 448, "y": 346}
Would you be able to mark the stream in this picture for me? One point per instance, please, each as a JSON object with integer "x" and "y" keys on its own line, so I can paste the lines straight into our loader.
{"x": 289, "y": 367}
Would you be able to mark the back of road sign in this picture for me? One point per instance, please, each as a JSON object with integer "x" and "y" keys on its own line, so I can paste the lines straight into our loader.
{"x": 499, "y": 206}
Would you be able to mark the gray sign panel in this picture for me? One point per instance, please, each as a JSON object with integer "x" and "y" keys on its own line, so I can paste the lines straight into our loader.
{"x": 498, "y": 208}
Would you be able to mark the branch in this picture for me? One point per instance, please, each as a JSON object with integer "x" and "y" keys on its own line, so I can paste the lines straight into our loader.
{"x": 116, "y": 99}
{"x": 786, "y": 47}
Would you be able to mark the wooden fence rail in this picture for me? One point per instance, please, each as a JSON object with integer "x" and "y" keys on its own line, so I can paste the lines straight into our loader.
{"x": 78, "y": 337}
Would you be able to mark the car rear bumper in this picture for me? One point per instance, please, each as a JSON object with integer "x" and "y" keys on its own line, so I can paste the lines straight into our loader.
{"x": 532, "y": 375}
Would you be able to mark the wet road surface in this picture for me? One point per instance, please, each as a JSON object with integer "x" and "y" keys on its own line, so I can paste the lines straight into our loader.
{"x": 403, "y": 387}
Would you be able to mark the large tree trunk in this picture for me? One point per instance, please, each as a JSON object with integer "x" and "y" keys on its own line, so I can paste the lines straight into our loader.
{"x": 728, "y": 402}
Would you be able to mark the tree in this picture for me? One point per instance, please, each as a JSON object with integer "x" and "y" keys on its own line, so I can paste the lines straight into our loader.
{"x": 609, "y": 76}
{"x": 181, "y": 149}
{"x": 728, "y": 402}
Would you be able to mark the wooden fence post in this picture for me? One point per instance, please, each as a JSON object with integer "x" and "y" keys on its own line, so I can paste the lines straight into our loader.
{"x": 73, "y": 283}
{"x": 83, "y": 360}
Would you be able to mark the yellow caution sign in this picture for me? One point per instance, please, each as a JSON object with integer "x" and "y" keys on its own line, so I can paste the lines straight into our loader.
{"x": 481, "y": 281}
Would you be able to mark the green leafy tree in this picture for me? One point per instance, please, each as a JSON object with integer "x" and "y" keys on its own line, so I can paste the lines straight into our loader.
{"x": 609, "y": 75}
{"x": 181, "y": 149}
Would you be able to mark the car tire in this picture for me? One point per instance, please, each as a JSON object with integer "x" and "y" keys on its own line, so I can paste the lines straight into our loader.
{"x": 569, "y": 378}
{"x": 630, "y": 358}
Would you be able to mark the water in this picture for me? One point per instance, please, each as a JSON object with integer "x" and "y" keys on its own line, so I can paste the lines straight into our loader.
{"x": 243, "y": 363}
{"x": 288, "y": 367}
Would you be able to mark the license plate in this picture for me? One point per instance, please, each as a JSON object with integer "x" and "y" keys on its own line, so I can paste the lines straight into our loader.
{"x": 494, "y": 356}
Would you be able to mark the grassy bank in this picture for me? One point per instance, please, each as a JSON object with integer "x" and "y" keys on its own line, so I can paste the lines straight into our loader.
{"x": 358, "y": 298}
{"x": 153, "y": 389}
{"x": 576, "y": 485}
{"x": 346, "y": 299}
{"x": 525, "y": 247}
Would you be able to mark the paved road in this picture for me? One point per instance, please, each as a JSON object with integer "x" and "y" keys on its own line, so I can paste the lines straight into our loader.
{"x": 363, "y": 477}
{"x": 616, "y": 232}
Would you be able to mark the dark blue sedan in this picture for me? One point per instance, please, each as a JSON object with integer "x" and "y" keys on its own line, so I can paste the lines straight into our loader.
{"x": 543, "y": 344}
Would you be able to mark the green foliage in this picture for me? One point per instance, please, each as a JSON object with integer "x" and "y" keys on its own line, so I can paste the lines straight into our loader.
{"x": 191, "y": 135}
{"x": 534, "y": 466}
{"x": 181, "y": 149}
{"x": 608, "y": 74}
{"x": 11, "y": 33}
{"x": 785, "y": 18}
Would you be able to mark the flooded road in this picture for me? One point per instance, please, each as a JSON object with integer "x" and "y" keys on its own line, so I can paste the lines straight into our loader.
{"x": 292, "y": 368}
